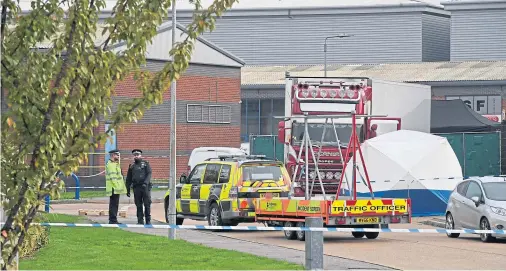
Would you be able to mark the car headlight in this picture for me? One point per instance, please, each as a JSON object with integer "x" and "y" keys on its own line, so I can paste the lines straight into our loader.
{"x": 499, "y": 211}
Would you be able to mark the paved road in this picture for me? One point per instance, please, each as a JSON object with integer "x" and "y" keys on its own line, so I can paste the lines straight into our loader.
{"x": 395, "y": 250}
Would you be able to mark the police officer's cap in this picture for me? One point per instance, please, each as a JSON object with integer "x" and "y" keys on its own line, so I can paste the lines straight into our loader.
{"x": 136, "y": 151}
{"x": 115, "y": 151}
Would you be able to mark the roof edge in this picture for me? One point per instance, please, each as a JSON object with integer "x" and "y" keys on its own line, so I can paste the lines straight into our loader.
{"x": 377, "y": 64}
{"x": 474, "y": 5}
{"x": 166, "y": 26}
{"x": 213, "y": 46}
{"x": 251, "y": 72}
{"x": 293, "y": 11}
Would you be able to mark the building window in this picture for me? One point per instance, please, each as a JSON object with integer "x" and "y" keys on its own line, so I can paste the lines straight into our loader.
{"x": 257, "y": 117}
{"x": 203, "y": 113}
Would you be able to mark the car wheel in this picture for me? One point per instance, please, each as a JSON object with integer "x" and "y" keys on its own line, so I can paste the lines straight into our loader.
{"x": 214, "y": 216}
{"x": 179, "y": 221}
{"x": 358, "y": 234}
{"x": 232, "y": 223}
{"x": 485, "y": 225}
{"x": 290, "y": 235}
{"x": 450, "y": 225}
{"x": 301, "y": 235}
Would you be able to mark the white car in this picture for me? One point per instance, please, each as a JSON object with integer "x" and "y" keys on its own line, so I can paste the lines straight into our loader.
{"x": 478, "y": 203}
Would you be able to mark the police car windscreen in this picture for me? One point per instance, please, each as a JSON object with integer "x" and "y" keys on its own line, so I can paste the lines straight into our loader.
{"x": 259, "y": 173}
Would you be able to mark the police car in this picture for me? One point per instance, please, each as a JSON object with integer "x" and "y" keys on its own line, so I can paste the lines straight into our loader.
{"x": 222, "y": 190}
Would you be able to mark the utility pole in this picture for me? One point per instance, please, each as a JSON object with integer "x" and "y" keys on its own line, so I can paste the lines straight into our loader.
{"x": 325, "y": 49}
{"x": 172, "y": 170}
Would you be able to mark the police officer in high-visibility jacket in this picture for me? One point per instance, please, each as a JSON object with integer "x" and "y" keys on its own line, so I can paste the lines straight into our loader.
{"x": 139, "y": 177}
{"x": 114, "y": 185}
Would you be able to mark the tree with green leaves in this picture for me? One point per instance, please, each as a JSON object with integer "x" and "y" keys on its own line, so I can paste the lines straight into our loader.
{"x": 55, "y": 97}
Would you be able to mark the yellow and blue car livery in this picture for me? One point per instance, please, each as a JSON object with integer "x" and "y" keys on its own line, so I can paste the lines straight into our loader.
{"x": 223, "y": 191}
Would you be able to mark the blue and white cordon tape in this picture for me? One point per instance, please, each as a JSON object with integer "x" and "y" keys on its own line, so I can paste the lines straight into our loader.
{"x": 437, "y": 178}
{"x": 103, "y": 187}
{"x": 255, "y": 228}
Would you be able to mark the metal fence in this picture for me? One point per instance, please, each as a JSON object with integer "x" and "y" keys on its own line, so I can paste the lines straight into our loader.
{"x": 503, "y": 147}
{"x": 267, "y": 145}
{"x": 479, "y": 154}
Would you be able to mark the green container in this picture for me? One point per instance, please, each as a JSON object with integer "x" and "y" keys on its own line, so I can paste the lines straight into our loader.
{"x": 267, "y": 145}
{"x": 479, "y": 154}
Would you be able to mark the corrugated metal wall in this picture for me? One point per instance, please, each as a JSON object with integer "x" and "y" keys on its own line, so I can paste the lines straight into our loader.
{"x": 469, "y": 90}
{"x": 435, "y": 38}
{"x": 478, "y": 34}
{"x": 160, "y": 113}
{"x": 379, "y": 38}
{"x": 198, "y": 70}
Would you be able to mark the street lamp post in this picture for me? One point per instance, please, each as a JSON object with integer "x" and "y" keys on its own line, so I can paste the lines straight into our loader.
{"x": 172, "y": 170}
{"x": 325, "y": 48}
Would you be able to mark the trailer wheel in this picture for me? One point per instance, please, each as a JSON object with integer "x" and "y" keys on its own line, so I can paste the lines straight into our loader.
{"x": 358, "y": 234}
{"x": 301, "y": 235}
{"x": 270, "y": 224}
{"x": 372, "y": 235}
{"x": 290, "y": 235}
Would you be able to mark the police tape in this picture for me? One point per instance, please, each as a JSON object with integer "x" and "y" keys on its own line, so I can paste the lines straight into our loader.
{"x": 103, "y": 187}
{"x": 273, "y": 228}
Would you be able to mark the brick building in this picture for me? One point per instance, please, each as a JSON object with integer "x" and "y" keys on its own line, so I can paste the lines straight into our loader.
{"x": 208, "y": 107}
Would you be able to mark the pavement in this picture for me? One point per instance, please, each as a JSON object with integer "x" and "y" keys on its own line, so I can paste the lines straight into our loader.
{"x": 156, "y": 197}
{"x": 402, "y": 251}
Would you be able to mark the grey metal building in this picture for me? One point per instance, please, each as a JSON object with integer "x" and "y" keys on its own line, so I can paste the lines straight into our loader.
{"x": 478, "y": 29}
{"x": 283, "y": 33}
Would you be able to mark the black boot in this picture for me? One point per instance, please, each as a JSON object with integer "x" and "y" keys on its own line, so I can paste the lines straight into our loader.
{"x": 140, "y": 222}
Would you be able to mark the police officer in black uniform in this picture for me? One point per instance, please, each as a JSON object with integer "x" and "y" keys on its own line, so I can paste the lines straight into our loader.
{"x": 139, "y": 177}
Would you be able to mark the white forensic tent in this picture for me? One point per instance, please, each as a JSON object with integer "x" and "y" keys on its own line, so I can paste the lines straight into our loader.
{"x": 411, "y": 164}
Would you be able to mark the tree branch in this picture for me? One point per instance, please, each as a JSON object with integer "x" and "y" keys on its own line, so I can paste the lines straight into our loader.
{"x": 29, "y": 218}
{"x": 122, "y": 9}
{"x": 3, "y": 21}
{"x": 26, "y": 125}
{"x": 79, "y": 62}
{"x": 52, "y": 99}
{"x": 32, "y": 22}
{"x": 70, "y": 156}
{"x": 45, "y": 124}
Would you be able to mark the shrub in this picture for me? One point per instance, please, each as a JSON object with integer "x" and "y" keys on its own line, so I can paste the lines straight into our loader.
{"x": 36, "y": 237}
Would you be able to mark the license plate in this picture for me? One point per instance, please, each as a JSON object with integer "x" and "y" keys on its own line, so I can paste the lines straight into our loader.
{"x": 269, "y": 195}
{"x": 368, "y": 220}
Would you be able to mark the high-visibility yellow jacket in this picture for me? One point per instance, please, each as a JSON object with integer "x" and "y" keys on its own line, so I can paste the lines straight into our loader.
{"x": 114, "y": 179}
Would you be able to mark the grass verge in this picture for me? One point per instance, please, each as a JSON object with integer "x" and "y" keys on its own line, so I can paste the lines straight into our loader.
{"x": 116, "y": 249}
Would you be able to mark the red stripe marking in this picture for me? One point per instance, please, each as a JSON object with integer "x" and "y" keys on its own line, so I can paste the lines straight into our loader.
{"x": 401, "y": 213}
{"x": 351, "y": 202}
{"x": 387, "y": 201}
{"x": 372, "y": 213}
